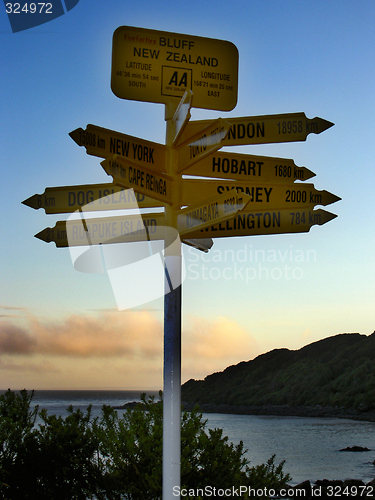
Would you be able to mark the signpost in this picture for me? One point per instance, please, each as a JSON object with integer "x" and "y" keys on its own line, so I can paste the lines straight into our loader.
{"x": 102, "y": 142}
{"x": 202, "y": 144}
{"x": 68, "y": 199}
{"x": 104, "y": 230}
{"x": 265, "y": 129}
{"x": 262, "y": 195}
{"x": 202, "y": 244}
{"x": 243, "y": 167}
{"x": 143, "y": 180}
{"x": 248, "y": 195}
{"x": 214, "y": 210}
{"x": 158, "y": 66}
{"x": 181, "y": 116}
{"x": 262, "y": 222}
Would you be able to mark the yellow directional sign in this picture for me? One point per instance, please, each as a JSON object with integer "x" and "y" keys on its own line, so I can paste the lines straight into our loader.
{"x": 214, "y": 210}
{"x": 265, "y": 222}
{"x": 107, "y": 230}
{"x": 104, "y": 230}
{"x": 244, "y": 167}
{"x": 244, "y": 130}
{"x": 203, "y": 244}
{"x": 262, "y": 195}
{"x": 102, "y": 142}
{"x": 202, "y": 144}
{"x": 158, "y": 66}
{"x": 68, "y": 199}
{"x": 143, "y": 180}
{"x": 182, "y": 115}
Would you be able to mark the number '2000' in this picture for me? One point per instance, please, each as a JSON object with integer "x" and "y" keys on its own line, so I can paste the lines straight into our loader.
{"x": 295, "y": 196}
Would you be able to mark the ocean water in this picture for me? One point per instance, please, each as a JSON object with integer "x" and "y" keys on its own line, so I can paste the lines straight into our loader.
{"x": 57, "y": 402}
{"x": 309, "y": 446}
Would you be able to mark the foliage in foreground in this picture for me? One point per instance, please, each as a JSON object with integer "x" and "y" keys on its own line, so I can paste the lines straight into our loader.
{"x": 112, "y": 457}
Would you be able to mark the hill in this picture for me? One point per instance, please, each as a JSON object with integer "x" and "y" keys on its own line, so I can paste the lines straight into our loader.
{"x": 336, "y": 372}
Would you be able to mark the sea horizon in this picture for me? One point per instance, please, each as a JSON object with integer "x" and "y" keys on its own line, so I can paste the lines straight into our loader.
{"x": 91, "y": 389}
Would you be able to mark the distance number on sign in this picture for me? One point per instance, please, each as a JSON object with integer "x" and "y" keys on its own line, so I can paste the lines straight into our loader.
{"x": 295, "y": 196}
{"x": 290, "y": 126}
{"x": 230, "y": 205}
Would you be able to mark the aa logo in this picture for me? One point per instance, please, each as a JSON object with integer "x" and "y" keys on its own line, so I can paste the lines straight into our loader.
{"x": 26, "y": 15}
{"x": 175, "y": 81}
{"x": 179, "y": 80}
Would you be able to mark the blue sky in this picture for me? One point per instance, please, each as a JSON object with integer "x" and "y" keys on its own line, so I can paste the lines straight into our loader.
{"x": 60, "y": 328}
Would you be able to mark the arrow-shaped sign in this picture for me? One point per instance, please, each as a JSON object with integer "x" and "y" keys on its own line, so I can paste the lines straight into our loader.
{"x": 202, "y": 143}
{"x": 287, "y": 127}
{"x": 261, "y": 195}
{"x": 182, "y": 116}
{"x": 102, "y": 142}
{"x": 244, "y": 167}
{"x": 143, "y": 180}
{"x": 265, "y": 222}
{"x": 121, "y": 229}
{"x": 203, "y": 244}
{"x": 95, "y": 231}
{"x": 68, "y": 199}
{"x": 214, "y": 210}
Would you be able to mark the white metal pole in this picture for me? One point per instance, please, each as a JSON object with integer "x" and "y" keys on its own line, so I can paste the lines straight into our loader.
{"x": 172, "y": 387}
{"x": 172, "y": 341}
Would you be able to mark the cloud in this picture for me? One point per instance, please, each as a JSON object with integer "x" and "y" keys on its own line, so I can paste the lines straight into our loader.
{"x": 39, "y": 367}
{"x": 107, "y": 335}
{"x": 11, "y": 308}
{"x": 212, "y": 345}
{"x": 114, "y": 349}
{"x": 14, "y": 340}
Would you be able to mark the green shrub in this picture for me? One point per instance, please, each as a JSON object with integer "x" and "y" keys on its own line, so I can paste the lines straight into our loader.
{"x": 111, "y": 457}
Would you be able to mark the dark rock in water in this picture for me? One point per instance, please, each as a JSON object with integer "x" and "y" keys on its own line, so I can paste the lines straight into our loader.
{"x": 327, "y": 482}
{"x": 353, "y": 482}
{"x": 355, "y": 448}
{"x": 130, "y": 405}
{"x": 306, "y": 487}
{"x": 135, "y": 404}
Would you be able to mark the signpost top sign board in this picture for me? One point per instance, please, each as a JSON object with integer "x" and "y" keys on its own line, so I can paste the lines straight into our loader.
{"x": 158, "y": 66}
